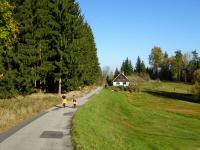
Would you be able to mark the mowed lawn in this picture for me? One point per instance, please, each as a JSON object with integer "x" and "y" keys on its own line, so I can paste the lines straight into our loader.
{"x": 137, "y": 121}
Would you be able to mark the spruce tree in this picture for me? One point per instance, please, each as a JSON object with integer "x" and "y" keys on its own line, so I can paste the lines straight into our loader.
{"x": 127, "y": 67}
{"x": 143, "y": 68}
{"x": 77, "y": 57}
{"x": 138, "y": 65}
{"x": 32, "y": 49}
{"x": 116, "y": 73}
{"x": 55, "y": 48}
{"x": 67, "y": 15}
{"x": 122, "y": 67}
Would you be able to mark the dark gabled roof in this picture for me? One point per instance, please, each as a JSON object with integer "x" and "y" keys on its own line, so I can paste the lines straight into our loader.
{"x": 121, "y": 78}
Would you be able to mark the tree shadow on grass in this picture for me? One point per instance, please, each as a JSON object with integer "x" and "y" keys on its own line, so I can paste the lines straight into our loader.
{"x": 164, "y": 135}
{"x": 178, "y": 96}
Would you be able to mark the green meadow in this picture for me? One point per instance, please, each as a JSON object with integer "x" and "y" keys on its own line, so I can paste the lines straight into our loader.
{"x": 160, "y": 117}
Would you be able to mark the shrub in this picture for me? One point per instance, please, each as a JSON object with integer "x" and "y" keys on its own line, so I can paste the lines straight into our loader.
{"x": 121, "y": 88}
{"x": 196, "y": 76}
{"x": 145, "y": 76}
{"x": 109, "y": 80}
{"x": 196, "y": 80}
{"x": 7, "y": 92}
{"x": 196, "y": 88}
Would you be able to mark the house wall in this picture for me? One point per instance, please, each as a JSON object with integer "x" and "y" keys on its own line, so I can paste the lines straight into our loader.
{"x": 127, "y": 83}
{"x": 120, "y": 84}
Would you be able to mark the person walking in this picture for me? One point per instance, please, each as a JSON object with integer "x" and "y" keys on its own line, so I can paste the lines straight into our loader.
{"x": 74, "y": 100}
{"x": 64, "y": 101}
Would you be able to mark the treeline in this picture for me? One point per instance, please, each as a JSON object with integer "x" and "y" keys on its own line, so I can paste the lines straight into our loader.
{"x": 45, "y": 45}
{"x": 128, "y": 69}
{"x": 180, "y": 67}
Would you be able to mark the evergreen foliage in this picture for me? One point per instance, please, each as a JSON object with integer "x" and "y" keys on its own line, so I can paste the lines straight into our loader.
{"x": 140, "y": 66}
{"x": 55, "y": 48}
{"x": 143, "y": 67}
{"x": 127, "y": 67}
{"x": 116, "y": 73}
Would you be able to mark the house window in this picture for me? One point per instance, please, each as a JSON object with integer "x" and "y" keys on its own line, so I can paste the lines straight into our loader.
{"x": 124, "y": 83}
{"x": 117, "y": 83}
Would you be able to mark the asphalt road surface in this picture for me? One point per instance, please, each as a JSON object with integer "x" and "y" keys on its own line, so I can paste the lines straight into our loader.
{"x": 48, "y": 131}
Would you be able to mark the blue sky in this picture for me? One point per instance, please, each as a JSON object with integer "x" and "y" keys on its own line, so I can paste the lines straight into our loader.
{"x": 131, "y": 28}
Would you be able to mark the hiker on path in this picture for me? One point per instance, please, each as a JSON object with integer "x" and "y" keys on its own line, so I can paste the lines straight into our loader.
{"x": 64, "y": 101}
{"x": 74, "y": 100}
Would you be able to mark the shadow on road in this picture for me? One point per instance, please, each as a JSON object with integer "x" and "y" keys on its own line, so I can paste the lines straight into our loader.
{"x": 177, "y": 96}
{"x": 58, "y": 106}
{"x": 69, "y": 113}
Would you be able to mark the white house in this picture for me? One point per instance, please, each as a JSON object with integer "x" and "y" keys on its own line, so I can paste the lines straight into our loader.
{"x": 121, "y": 80}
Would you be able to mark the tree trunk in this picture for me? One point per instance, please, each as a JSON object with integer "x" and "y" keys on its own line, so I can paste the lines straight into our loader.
{"x": 179, "y": 75}
{"x": 40, "y": 86}
{"x": 59, "y": 86}
{"x": 35, "y": 82}
{"x": 185, "y": 76}
{"x": 157, "y": 75}
{"x": 45, "y": 87}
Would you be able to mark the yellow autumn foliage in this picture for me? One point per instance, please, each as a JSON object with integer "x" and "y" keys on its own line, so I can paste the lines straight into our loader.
{"x": 10, "y": 29}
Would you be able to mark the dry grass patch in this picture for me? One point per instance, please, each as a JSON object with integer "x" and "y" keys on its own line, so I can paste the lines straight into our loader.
{"x": 16, "y": 110}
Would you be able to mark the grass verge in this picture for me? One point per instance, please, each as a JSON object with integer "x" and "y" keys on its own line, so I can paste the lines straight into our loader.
{"x": 139, "y": 121}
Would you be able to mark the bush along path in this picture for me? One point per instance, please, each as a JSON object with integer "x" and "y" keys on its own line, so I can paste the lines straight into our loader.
{"x": 49, "y": 131}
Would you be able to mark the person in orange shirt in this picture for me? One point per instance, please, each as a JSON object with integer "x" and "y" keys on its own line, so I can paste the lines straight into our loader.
{"x": 64, "y": 101}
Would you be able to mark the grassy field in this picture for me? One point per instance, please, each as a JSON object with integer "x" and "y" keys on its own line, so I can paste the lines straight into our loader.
{"x": 138, "y": 121}
{"x": 16, "y": 110}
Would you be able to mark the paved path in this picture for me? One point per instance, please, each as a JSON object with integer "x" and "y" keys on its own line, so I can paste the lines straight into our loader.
{"x": 50, "y": 131}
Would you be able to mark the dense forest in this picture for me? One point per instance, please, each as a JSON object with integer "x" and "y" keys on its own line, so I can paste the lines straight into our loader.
{"x": 45, "y": 45}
